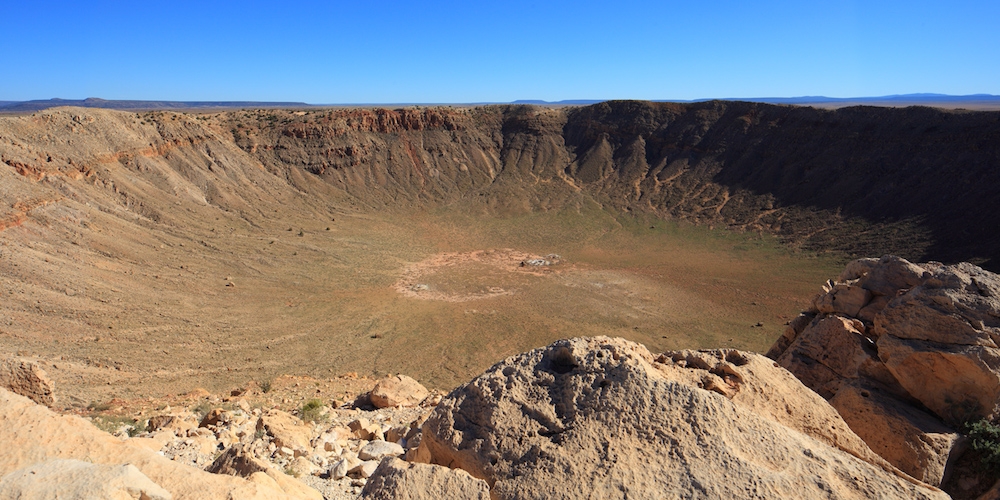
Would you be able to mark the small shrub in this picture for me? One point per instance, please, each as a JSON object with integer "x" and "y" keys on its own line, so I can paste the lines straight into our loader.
{"x": 265, "y": 386}
{"x": 984, "y": 438}
{"x": 111, "y": 425}
{"x": 95, "y": 406}
{"x": 312, "y": 411}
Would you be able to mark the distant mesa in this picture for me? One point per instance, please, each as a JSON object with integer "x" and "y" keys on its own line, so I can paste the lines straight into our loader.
{"x": 973, "y": 102}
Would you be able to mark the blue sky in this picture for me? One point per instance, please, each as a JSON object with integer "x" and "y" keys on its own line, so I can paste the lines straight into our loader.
{"x": 475, "y": 51}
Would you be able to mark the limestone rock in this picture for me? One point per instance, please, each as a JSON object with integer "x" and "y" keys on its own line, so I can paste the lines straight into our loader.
{"x": 79, "y": 479}
{"x": 375, "y": 450}
{"x": 363, "y": 469}
{"x": 301, "y": 466}
{"x": 363, "y": 429}
{"x": 214, "y": 417}
{"x": 287, "y": 430}
{"x": 27, "y": 379}
{"x": 912, "y": 440}
{"x": 398, "y": 480}
{"x": 599, "y": 418}
{"x": 339, "y": 469}
{"x": 32, "y": 434}
{"x": 398, "y": 390}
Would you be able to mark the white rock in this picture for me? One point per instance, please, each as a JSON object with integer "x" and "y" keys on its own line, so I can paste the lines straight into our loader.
{"x": 375, "y": 450}
{"x": 339, "y": 469}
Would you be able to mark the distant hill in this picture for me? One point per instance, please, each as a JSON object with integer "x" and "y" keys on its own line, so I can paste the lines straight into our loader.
{"x": 975, "y": 101}
{"x": 93, "y": 102}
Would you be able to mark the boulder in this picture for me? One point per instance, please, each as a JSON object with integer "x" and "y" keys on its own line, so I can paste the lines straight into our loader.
{"x": 910, "y": 439}
{"x": 395, "y": 479}
{"x": 398, "y": 390}
{"x": 375, "y": 450}
{"x": 27, "y": 379}
{"x": 361, "y": 428}
{"x": 286, "y": 431}
{"x": 79, "y": 479}
{"x": 599, "y": 417}
{"x": 32, "y": 434}
{"x": 301, "y": 466}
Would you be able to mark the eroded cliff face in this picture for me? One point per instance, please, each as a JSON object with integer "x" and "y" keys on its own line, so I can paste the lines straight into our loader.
{"x": 914, "y": 182}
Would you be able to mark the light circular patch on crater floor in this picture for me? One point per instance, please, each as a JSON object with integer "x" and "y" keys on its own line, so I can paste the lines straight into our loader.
{"x": 480, "y": 274}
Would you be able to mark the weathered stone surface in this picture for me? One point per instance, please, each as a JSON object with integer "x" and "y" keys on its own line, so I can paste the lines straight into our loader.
{"x": 33, "y": 434}
{"x": 912, "y": 440}
{"x": 375, "y": 450}
{"x": 395, "y": 479}
{"x": 236, "y": 461}
{"x": 828, "y": 351}
{"x": 597, "y": 417}
{"x": 215, "y": 417}
{"x": 792, "y": 330}
{"x": 301, "y": 466}
{"x": 957, "y": 305}
{"x": 363, "y": 429}
{"x": 890, "y": 275}
{"x": 936, "y": 332}
{"x": 78, "y": 479}
{"x": 287, "y": 430}
{"x": 364, "y": 469}
{"x": 27, "y": 379}
{"x": 842, "y": 299}
{"x": 178, "y": 423}
{"x": 957, "y": 382}
{"x": 398, "y": 390}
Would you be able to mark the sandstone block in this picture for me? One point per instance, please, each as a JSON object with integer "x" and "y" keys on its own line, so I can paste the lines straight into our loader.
{"x": 395, "y": 479}
{"x": 286, "y": 430}
{"x": 398, "y": 390}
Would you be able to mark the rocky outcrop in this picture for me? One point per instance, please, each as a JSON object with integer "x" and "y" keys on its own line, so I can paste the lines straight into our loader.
{"x": 398, "y": 480}
{"x": 27, "y": 379}
{"x": 601, "y": 417}
{"x": 906, "y": 352}
{"x": 32, "y": 434}
{"x": 78, "y": 479}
